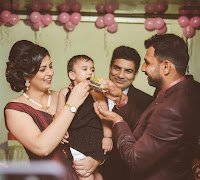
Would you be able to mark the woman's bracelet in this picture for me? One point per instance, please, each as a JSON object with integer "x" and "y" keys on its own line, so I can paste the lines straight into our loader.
{"x": 107, "y": 137}
{"x": 102, "y": 162}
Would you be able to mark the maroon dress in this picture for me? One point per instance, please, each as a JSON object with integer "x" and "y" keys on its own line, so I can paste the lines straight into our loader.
{"x": 42, "y": 120}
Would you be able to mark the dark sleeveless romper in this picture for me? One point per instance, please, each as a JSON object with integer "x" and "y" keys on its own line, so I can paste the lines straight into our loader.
{"x": 85, "y": 131}
{"x": 42, "y": 120}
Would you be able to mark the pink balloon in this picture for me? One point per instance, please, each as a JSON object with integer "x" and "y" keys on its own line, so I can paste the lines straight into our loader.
{"x": 1, "y": 23}
{"x": 64, "y": 7}
{"x": 14, "y": 19}
{"x": 99, "y": 22}
{"x": 6, "y": 5}
{"x": 159, "y": 23}
{"x": 63, "y": 17}
{"x": 36, "y": 6}
{"x": 108, "y": 19}
{"x": 196, "y": 12}
{"x": 183, "y": 21}
{"x": 76, "y": 6}
{"x": 35, "y": 17}
{"x": 100, "y": 8}
{"x": 162, "y": 31}
{"x": 75, "y": 18}
{"x": 195, "y": 21}
{"x": 47, "y": 6}
{"x": 70, "y": 26}
{"x": 113, "y": 27}
{"x": 188, "y": 31}
{"x": 161, "y": 7}
{"x": 38, "y": 25}
{"x": 109, "y": 8}
{"x": 15, "y": 6}
{"x": 46, "y": 19}
{"x": 150, "y": 8}
{"x": 183, "y": 12}
{"x": 5, "y": 16}
{"x": 149, "y": 24}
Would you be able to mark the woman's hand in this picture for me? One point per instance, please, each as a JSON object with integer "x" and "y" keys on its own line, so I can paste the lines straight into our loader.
{"x": 88, "y": 164}
{"x": 79, "y": 94}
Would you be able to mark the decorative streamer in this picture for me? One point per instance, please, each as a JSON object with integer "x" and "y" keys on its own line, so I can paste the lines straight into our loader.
{"x": 189, "y": 42}
{"x": 105, "y": 40}
{"x": 38, "y": 35}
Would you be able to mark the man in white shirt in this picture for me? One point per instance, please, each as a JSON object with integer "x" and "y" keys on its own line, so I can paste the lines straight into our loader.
{"x": 124, "y": 67}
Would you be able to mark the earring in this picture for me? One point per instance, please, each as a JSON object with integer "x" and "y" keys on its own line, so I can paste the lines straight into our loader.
{"x": 27, "y": 84}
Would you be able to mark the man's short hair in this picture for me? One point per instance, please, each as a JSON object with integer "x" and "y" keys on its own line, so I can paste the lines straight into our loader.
{"x": 127, "y": 53}
{"x": 172, "y": 48}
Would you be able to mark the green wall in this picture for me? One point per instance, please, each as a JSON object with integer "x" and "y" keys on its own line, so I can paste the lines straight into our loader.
{"x": 85, "y": 39}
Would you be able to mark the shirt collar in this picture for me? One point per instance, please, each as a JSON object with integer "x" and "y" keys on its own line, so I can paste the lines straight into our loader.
{"x": 170, "y": 85}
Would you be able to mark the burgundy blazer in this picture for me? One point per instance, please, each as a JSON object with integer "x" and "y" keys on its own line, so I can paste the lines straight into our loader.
{"x": 166, "y": 137}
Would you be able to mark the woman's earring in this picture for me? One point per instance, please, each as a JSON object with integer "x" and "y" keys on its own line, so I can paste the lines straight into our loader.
{"x": 27, "y": 84}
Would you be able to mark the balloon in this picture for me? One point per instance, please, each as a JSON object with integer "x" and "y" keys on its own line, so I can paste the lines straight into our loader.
{"x": 183, "y": 21}
{"x": 38, "y": 25}
{"x": 76, "y": 6}
{"x": 75, "y": 18}
{"x": 183, "y": 11}
{"x": 113, "y": 27}
{"x": 63, "y": 17}
{"x": 196, "y": 12}
{"x": 100, "y": 8}
{"x": 14, "y": 19}
{"x": 108, "y": 19}
{"x": 162, "y": 31}
{"x": 35, "y": 6}
{"x": 5, "y": 16}
{"x": 15, "y": 6}
{"x": 150, "y": 8}
{"x": 47, "y": 6}
{"x": 64, "y": 7}
{"x": 70, "y": 26}
{"x": 109, "y": 8}
{"x": 149, "y": 24}
{"x": 159, "y": 23}
{"x": 6, "y": 5}
{"x": 99, "y": 22}
{"x": 46, "y": 19}
{"x": 195, "y": 21}
{"x": 188, "y": 31}
{"x": 35, "y": 17}
{"x": 161, "y": 7}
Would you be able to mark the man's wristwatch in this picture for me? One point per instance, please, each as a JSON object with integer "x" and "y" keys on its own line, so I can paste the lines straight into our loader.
{"x": 72, "y": 108}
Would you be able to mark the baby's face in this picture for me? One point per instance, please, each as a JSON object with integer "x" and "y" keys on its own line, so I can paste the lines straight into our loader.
{"x": 83, "y": 70}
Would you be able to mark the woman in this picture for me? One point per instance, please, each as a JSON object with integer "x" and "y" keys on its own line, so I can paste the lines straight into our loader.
{"x": 29, "y": 117}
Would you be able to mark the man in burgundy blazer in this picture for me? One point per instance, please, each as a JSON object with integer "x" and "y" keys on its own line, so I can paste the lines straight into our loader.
{"x": 165, "y": 140}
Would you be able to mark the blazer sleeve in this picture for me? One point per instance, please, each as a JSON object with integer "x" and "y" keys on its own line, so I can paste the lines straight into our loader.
{"x": 158, "y": 139}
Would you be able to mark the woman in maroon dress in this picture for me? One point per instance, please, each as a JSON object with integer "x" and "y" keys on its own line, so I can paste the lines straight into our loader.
{"x": 30, "y": 117}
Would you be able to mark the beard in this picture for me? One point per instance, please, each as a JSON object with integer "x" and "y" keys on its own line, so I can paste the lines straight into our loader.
{"x": 155, "y": 80}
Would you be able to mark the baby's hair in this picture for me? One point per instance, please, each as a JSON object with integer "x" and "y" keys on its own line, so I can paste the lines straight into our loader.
{"x": 74, "y": 59}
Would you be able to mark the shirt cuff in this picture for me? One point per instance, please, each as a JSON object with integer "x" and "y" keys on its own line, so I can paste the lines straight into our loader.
{"x": 122, "y": 104}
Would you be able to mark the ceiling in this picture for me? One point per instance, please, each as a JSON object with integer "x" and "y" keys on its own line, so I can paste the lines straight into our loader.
{"x": 122, "y": 8}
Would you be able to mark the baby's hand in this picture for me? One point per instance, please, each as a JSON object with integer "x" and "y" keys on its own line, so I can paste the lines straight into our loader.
{"x": 64, "y": 140}
{"x": 107, "y": 144}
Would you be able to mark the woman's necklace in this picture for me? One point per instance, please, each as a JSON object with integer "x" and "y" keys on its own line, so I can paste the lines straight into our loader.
{"x": 45, "y": 109}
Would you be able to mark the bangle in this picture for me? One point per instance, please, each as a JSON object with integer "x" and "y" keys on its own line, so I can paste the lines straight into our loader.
{"x": 102, "y": 162}
{"x": 122, "y": 104}
{"x": 120, "y": 97}
{"x": 107, "y": 137}
{"x": 194, "y": 166}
